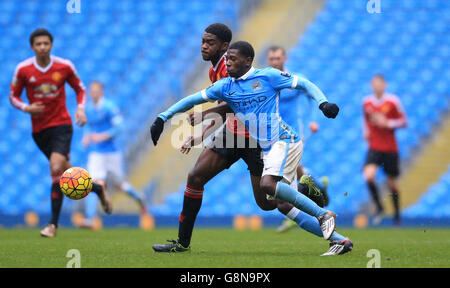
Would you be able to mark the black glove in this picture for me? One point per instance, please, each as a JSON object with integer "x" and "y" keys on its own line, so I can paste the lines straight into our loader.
{"x": 156, "y": 129}
{"x": 330, "y": 110}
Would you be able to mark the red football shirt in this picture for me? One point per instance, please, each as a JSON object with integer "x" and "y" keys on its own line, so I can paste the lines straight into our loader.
{"x": 388, "y": 107}
{"x": 47, "y": 86}
{"x": 216, "y": 73}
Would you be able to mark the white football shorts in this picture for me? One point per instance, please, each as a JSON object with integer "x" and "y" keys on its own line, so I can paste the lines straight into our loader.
{"x": 103, "y": 165}
{"x": 282, "y": 160}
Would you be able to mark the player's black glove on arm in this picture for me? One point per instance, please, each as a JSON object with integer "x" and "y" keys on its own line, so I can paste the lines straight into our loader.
{"x": 156, "y": 129}
{"x": 330, "y": 110}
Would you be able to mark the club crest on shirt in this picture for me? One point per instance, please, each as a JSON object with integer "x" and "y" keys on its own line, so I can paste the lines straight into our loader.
{"x": 256, "y": 85}
{"x": 56, "y": 76}
{"x": 285, "y": 74}
{"x": 385, "y": 108}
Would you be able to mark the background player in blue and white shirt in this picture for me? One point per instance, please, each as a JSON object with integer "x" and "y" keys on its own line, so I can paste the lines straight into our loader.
{"x": 104, "y": 158}
{"x": 253, "y": 95}
{"x": 298, "y": 109}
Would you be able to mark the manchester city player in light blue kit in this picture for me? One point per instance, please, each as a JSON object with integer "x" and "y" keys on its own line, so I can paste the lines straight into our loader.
{"x": 104, "y": 159}
{"x": 253, "y": 95}
{"x": 298, "y": 109}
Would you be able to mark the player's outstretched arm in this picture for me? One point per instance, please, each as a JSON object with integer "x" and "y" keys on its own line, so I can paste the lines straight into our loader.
{"x": 222, "y": 109}
{"x": 330, "y": 110}
{"x": 181, "y": 106}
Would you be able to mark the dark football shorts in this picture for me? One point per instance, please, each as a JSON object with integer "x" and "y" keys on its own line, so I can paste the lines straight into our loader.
{"x": 235, "y": 147}
{"x": 388, "y": 161}
{"x": 54, "y": 139}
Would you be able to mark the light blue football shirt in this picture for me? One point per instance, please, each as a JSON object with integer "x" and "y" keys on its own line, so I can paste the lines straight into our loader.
{"x": 255, "y": 99}
{"x": 297, "y": 109}
{"x": 103, "y": 117}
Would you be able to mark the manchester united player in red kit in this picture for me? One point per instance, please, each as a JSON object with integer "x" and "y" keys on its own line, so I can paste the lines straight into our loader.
{"x": 383, "y": 114}
{"x": 216, "y": 157}
{"x": 43, "y": 77}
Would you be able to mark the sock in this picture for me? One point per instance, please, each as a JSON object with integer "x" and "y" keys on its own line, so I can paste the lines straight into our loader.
{"x": 191, "y": 205}
{"x": 97, "y": 189}
{"x": 374, "y": 193}
{"x": 310, "y": 224}
{"x": 56, "y": 199}
{"x": 287, "y": 193}
{"x": 395, "y": 201}
{"x": 91, "y": 203}
{"x": 133, "y": 193}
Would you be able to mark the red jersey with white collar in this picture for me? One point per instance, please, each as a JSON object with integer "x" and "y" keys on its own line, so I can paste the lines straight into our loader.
{"x": 215, "y": 74}
{"x": 388, "y": 107}
{"x": 46, "y": 85}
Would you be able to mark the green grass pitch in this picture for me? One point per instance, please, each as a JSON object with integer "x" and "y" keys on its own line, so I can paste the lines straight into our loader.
{"x": 223, "y": 248}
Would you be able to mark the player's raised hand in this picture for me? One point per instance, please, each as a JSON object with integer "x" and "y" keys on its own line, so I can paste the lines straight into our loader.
{"x": 330, "y": 110}
{"x": 314, "y": 127}
{"x": 80, "y": 117}
{"x": 156, "y": 130}
{"x": 187, "y": 145}
{"x": 35, "y": 108}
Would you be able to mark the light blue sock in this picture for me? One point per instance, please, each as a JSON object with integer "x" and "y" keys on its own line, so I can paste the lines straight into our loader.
{"x": 91, "y": 207}
{"x": 311, "y": 224}
{"x": 132, "y": 192}
{"x": 287, "y": 193}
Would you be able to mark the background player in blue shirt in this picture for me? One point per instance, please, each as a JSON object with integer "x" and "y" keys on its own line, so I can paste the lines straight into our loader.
{"x": 104, "y": 158}
{"x": 298, "y": 109}
{"x": 253, "y": 95}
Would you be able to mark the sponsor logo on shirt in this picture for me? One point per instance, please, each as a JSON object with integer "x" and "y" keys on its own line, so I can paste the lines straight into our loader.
{"x": 46, "y": 91}
{"x": 250, "y": 102}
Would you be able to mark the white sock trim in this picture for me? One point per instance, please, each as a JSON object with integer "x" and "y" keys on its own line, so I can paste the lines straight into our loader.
{"x": 293, "y": 213}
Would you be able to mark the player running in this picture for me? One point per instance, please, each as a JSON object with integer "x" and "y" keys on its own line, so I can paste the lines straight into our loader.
{"x": 44, "y": 77}
{"x": 383, "y": 114}
{"x": 104, "y": 159}
{"x": 292, "y": 110}
{"x": 217, "y": 156}
{"x": 253, "y": 95}
{"x": 234, "y": 133}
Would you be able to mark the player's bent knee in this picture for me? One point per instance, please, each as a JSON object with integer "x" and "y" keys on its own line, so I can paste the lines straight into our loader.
{"x": 369, "y": 176}
{"x": 268, "y": 186}
{"x": 195, "y": 179}
{"x": 57, "y": 168}
{"x": 267, "y": 205}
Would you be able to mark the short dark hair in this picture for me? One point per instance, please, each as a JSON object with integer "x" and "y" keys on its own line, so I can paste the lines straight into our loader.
{"x": 244, "y": 48}
{"x": 97, "y": 83}
{"x": 276, "y": 48}
{"x": 40, "y": 32}
{"x": 379, "y": 76}
{"x": 221, "y": 31}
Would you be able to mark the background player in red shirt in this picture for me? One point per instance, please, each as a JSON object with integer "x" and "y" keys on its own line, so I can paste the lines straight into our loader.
{"x": 383, "y": 114}
{"x": 43, "y": 77}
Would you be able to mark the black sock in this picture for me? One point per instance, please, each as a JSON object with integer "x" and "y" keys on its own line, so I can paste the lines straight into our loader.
{"x": 97, "y": 189}
{"x": 396, "y": 202}
{"x": 374, "y": 193}
{"x": 303, "y": 188}
{"x": 56, "y": 200}
{"x": 191, "y": 205}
